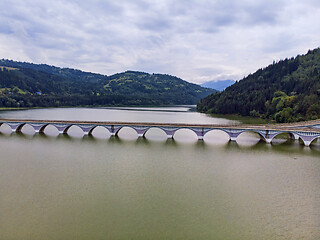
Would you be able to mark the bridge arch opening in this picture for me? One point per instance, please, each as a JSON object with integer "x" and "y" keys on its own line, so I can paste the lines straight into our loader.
{"x": 249, "y": 138}
{"x": 5, "y": 129}
{"x": 127, "y": 133}
{"x": 155, "y": 133}
{"x": 25, "y": 129}
{"x": 185, "y": 135}
{"x": 216, "y": 136}
{"x": 49, "y": 130}
{"x": 74, "y": 131}
{"x": 283, "y": 137}
{"x": 100, "y": 132}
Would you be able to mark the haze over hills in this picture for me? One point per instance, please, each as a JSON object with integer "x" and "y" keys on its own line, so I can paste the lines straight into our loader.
{"x": 219, "y": 85}
{"x": 40, "y": 85}
{"x": 286, "y": 91}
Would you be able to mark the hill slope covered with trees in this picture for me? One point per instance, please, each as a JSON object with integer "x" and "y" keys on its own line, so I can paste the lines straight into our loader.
{"x": 286, "y": 91}
{"x": 40, "y": 85}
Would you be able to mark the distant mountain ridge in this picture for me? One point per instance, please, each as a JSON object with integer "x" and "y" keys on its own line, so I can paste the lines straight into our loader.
{"x": 286, "y": 91}
{"x": 40, "y": 85}
{"x": 219, "y": 85}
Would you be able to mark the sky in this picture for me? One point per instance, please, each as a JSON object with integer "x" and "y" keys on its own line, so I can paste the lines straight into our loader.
{"x": 197, "y": 41}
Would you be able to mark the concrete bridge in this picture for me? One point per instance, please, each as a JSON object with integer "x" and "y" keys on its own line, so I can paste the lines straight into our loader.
{"x": 307, "y": 131}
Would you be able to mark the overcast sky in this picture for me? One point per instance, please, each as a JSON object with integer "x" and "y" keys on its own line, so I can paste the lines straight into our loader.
{"x": 195, "y": 40}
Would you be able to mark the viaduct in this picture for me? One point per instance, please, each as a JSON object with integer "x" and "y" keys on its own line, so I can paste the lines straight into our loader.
{"x": 306, "y": 131}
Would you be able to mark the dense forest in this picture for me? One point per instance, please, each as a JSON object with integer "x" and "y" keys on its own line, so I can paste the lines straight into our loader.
{"x": 285, "y": 91}
{"x": 39, "y": 85}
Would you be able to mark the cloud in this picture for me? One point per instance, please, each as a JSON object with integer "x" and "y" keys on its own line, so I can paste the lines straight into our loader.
{"x": 195, "y": 40}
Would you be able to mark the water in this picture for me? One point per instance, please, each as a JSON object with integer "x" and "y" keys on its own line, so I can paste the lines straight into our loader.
{"x": 135, "y": 114}
{"x": 60, "y": 187}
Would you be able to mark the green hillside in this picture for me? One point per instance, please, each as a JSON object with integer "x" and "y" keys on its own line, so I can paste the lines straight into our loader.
{"x": 67, "y": 73}
{"x": 33, "y": 85}
{"x": 161, "y": 87}
{"x": 286, "y": 91}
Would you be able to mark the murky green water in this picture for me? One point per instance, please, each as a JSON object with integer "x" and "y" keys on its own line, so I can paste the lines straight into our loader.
{"x": 60, "y": 187}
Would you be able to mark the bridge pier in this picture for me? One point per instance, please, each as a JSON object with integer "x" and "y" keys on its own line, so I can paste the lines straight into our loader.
{"x": 141, "y": 131}
{"x": 233, "y": 134}
{"x": 295, "y": 136}
{"x": 62, "y": 129}
{"x": 233, "y": 139}
{"x": 308, "y": 138}
{"x": 307, "y": 143}
{"x": 38, "y": 128}
{"x": 268, "y": 140}
{"x": 87, "y": 130}
{"x": 169, "y": 132}
{"x": 14, "y": 126}
{"x": 200, "y": 132}
{"x": 113, "y": 130}
{"x": 37, "y": 131}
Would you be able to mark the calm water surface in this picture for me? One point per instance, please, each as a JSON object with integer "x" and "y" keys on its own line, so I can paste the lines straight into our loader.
{"x": 74, "y": 187}
{"x": 134, "y": 114}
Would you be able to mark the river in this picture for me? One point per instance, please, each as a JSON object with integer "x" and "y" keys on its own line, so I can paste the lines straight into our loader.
{"x": 101, "y": 187}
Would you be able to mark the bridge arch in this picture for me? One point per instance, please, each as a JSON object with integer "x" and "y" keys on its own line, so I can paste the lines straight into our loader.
{"x": 208, "y": 135}
{"x": 155, "y": 128}
{"x": 27, "y": 125}
{"x": 128, "y": 127}
{"x": 262, "y": 137}
{"x": 99, "y": 131}
{"x": 290, "y": 135}
{"x": 185, "y": 129}
{"x": 218, "y": 129}
{"x": 48, "y": 127}
{"x": 5, "y": 128}
{"x": 76, "y": 130}
{"x": 314, "y": 140}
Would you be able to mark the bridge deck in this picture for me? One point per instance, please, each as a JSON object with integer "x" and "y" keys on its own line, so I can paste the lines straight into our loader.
{"x": 272, "y": 127}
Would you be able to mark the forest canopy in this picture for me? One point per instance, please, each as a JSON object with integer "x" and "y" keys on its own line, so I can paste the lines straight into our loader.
{"x": 39, "y": 85}
{"x": 285, "y": 91}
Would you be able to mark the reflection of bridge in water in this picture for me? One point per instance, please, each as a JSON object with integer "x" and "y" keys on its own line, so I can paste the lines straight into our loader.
{"x": 306, "y": 131}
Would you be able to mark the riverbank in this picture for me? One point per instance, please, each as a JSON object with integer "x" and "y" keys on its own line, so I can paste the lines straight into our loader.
{"x": 242, "y": 119}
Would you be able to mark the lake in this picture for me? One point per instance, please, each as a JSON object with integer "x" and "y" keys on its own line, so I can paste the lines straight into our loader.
{"x": 78, "y": 187}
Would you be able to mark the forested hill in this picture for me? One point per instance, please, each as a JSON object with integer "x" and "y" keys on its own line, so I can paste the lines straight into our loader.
{"x": 164, "y": 87}
{"x": 286, "y": 91}
{"x": 33, "y": 85}
{"x": 67, "y": 73}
